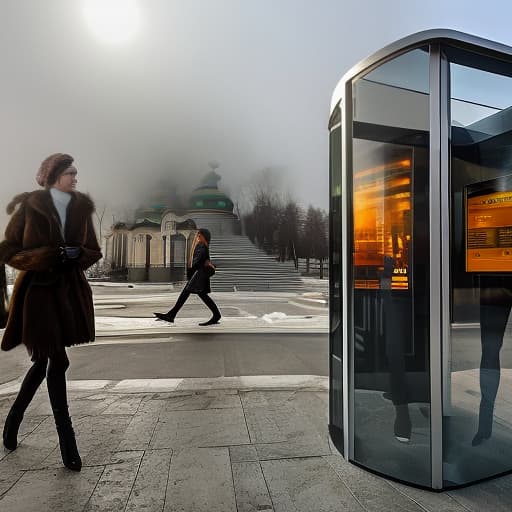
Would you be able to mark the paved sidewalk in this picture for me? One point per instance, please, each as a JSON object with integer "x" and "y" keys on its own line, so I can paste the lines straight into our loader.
{"x": 190, "y": 446}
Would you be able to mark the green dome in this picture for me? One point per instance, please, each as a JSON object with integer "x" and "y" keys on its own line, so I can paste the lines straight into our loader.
{"x": 208, "y": 197}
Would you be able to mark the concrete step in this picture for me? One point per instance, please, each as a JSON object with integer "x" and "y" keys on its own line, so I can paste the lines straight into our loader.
{"x": 243, "y": 266}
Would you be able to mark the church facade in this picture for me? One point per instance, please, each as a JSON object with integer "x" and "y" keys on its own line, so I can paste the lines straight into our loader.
{"x": 155, "y": 246}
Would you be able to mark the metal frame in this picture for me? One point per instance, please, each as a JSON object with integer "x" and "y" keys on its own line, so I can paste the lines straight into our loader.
{"x": 348, "y": 416}
{"x": 435, "y": 277}
{"x": 453, "y": 37}
{"x": 439, "y": 221}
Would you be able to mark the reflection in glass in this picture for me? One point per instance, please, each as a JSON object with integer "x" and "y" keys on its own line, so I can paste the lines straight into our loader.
{"x": 389, "y": 268}
{"x": 478, "y": 415}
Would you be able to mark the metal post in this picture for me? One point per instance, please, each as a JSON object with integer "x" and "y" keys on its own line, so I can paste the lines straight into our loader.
{"x": 346, "y": 256}
{"x": 436, "y": 272}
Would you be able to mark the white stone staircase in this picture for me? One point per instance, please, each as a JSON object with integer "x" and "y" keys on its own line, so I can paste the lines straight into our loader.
{"x": 242, "y": 266}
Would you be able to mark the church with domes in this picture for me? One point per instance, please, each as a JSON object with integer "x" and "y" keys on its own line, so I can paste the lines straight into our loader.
{"x": 155, "y": 245}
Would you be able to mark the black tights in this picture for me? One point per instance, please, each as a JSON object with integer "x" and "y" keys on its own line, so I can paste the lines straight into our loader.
{"x": 184, "y": 295}
{"x": 54, "y": 369}
{"x": 493, "y": 322}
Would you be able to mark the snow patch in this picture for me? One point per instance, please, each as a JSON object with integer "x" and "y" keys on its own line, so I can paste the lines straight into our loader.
{"x": 272, "y": 317}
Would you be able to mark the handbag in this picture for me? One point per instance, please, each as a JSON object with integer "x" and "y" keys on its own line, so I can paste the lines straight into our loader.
{"x": 209, "y": 268}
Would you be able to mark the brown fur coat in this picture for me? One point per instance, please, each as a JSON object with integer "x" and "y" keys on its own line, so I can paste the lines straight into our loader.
{"x": 51, "y": 305}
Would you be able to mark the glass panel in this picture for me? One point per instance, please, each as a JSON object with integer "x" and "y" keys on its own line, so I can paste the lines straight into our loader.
{"x": 389, "y": 236}
{"x": 478, "y": 411}
{"x": 335, "y": 240}
{"x": 336, "y": 374}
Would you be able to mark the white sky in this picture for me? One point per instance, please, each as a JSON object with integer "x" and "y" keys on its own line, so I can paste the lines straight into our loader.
{"x": 246, "y": 83}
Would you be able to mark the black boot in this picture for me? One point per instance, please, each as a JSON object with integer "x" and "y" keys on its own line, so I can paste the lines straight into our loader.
{"x": 402, "y": 425}
{"x": 168, "y": 317}
{"x": 216, "y": 316}
{"x": 29, "y": 386}
{"x": 11, "y": 427}
{"x": 489, "y": 383}
{"x": 67, "y": 442}
{"x": 213, "y": 320}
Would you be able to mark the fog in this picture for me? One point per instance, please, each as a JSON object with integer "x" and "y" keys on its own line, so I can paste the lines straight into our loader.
{"x": 245, "y": 83}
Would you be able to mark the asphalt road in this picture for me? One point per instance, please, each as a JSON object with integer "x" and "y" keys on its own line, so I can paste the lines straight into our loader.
{"x": 188, "y": 355}
{"x": 203, "y": 355}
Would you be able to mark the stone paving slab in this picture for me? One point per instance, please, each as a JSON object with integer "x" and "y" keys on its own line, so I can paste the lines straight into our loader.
{"x": 206, "y": 450}
{"x": 200, "y": 480}
{"x": 251, "y": 489}
{"x": 430, "y": 501}
{"x": 150, "y": 487}
{"x": 304, "y": 485}
{"x": 213, "y": 427}
{"x": 47, "y": 490}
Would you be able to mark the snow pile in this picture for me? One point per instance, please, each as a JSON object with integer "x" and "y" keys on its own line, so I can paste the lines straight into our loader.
{"x": 272, "y": 317}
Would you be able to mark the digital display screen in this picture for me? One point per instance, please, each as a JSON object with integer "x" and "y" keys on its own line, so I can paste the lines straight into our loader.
{"x": 489, "y": 225}
{"x": 382, "y": 225}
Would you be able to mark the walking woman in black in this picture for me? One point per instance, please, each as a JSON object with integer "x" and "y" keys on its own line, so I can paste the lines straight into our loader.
{"x": 50, "y": 239}
{"x": 198, "y": 282}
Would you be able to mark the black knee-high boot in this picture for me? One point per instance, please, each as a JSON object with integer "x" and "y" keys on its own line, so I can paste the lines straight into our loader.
{"x": 212, "y": 307}
{"x": 56, "y": 379}
{"x": 171, "y": 314}
{"x": 489, "y": 383}
{"x": 29, "y": 386}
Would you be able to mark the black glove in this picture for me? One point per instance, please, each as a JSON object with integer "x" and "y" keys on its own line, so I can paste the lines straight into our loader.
{"x": 69, "y": 255}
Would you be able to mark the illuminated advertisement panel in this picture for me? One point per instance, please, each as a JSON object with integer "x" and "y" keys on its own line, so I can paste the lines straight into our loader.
{"x": 382, "y": 225}
{"x": 489, "y": 225}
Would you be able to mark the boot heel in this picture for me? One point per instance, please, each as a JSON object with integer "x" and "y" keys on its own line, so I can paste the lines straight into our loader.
{"x": 68, "y": 449}
{"x": 67, "y": 441}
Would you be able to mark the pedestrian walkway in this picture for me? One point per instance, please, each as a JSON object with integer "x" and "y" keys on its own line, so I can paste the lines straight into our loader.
{"x": 252, "y": 444}
{"x": 110, "y": 326}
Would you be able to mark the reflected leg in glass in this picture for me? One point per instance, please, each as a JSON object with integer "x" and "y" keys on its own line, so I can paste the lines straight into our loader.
{"x": 396, "y": 360}
{"x": 493, "y": 320}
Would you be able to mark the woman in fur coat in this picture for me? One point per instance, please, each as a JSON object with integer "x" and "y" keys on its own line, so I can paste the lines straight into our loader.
{"x": 50, "y": 239}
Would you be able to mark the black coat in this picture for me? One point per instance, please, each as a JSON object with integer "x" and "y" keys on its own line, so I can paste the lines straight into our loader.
{"x": 199, "y": 278}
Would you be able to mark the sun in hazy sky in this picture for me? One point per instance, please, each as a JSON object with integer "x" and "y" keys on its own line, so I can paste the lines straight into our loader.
{"x": 113, "y": 21}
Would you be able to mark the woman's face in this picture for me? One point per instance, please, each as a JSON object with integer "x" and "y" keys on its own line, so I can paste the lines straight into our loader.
{"x": 67, "y": 180}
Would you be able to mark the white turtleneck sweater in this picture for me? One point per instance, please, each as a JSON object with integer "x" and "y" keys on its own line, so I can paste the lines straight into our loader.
{"x": 61, "y": 201}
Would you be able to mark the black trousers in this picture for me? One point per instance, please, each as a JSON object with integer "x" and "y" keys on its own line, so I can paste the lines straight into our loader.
{"x": 54, "y": 369}
{"x": 493, "y": 321}
{"x": 183, "y": 297}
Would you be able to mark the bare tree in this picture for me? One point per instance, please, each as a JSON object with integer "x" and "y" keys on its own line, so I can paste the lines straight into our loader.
{"x": 265, "y": 214}
{"x": 315, "y": 241}
{"x": 260, "y": 198}
{"x": 99, "y": 216}
{"x": 288, "y": 231}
